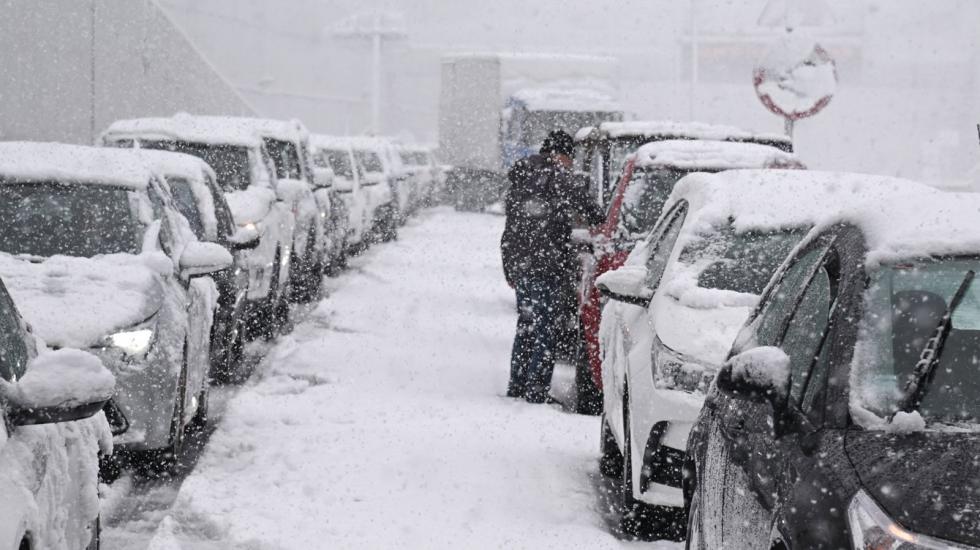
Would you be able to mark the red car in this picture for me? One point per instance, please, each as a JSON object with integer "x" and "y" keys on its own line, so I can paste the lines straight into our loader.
{"x": 646, "y": 182}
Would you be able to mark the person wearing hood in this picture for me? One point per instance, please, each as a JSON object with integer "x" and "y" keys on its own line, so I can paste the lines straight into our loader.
{"x": 543, "y": 200}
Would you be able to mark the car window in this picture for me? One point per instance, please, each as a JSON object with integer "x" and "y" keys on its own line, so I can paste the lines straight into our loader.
{"x": 644, "y": 198}
{"x": 229, "y": 162}
{"x": 337, "y": 160}
{"x": 806, "y": 329}
{"x": 779, "y": 303}
{"x": 285, "y": 157}
{"x": 186, "y": 204}
{"x": 13, "y": 348}
{"x": 662, "y": 247}
{"x": 226, "y": 223}
{"x": 369, "y": 161}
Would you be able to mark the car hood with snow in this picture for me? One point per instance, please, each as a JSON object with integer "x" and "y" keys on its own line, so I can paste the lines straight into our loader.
{"x": 925, "y": 480}
{"x": 76, "y": 302}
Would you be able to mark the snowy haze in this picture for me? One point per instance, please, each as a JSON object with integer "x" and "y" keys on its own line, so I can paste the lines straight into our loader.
{"x": 906, "y": 104}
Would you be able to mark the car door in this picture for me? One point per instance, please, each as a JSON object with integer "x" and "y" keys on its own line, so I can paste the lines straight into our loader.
{"x": 793, "y": 315}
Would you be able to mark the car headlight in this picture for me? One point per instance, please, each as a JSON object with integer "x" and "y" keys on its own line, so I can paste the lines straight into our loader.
{"x": 872, "y": 529}
{"x": 131, "y": 342}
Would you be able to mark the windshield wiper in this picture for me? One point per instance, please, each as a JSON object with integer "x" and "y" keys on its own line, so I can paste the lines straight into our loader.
{"x": 925, "y": 367}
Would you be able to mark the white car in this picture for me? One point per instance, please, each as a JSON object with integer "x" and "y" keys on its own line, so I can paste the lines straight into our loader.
{"x": 50, "y": 405}
{"x": 247, "y": 176}
{"x": 418, "y": 161}
{"x": 98, "y": 257}
{"x": 676, "y": 306}
{"x": 333, "y": 161}
{"x": 373, "y": 158}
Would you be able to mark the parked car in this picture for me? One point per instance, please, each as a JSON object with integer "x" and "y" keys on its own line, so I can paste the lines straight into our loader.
{"x": 372, "y": 157}
{"x": 50, "y": 405}
{"x": 676, "y": 306}
{"x": 602, "y": 150}
{"x": 333, "y": 161}
{"x": 193, "y": 185}
{"x": 98, "y": 257}
{"x": 846, "y": 415}
{"x": 636, "y": 204}
{"x": 247, "y": 177}
{"x": 418, "y": 162}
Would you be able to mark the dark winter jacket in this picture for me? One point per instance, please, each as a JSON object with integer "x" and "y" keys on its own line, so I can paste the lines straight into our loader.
{"x": 540, "y": 205}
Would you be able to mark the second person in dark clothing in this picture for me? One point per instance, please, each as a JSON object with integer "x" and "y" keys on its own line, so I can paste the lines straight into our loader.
{"x": 536, "y": 246}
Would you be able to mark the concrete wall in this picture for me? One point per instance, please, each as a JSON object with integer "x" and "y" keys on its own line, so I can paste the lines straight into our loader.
{"x": 68, "y": 68}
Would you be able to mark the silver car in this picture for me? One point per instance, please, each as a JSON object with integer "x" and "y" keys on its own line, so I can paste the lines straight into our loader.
{"x": 94, "y": 249}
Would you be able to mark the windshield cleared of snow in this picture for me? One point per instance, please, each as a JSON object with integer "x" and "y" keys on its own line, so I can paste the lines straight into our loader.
{"x": 48, "y": 219}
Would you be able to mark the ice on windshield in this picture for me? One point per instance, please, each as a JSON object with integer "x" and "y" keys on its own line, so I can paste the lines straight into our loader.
{"x": 903, "y": 306}
{"x": 48, "y": 219}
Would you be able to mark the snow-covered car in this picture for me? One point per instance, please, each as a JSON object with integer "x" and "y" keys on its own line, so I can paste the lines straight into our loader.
{"x": 247, "y": 177}
{"x": 98, "y": 257}
{"x": 333, "y": 161}
{"x": 54, "y": 432}
{"x": 372, "y": 158}
{"x": 601, "y": 151}
{"x": 848, "y": 412}
{"x": 676, "y": 306}
{"x": 418, "y": 161}
{"x": 634, "y": 207}
{"x": 193, "y": 185}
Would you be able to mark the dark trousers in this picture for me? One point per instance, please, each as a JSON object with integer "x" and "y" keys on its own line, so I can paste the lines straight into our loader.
{"x": 533, "y": 355}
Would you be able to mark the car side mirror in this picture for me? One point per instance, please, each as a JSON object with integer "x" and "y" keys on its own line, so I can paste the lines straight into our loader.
{"x": 290, "y": 190}
{"x": 202, "y": 258}
{"x": 626, "y": 284}
{"x": 245, "y": 238}
{"x": 323, "y": 177}
{"x": 58, "y": 386}
{"x": 760, "y": 374}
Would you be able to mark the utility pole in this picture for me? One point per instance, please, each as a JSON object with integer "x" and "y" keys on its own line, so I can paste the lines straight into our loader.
{"x": 376, "y": 26}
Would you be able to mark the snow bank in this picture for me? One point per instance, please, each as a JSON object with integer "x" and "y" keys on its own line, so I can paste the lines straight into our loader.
{"x": 66, "y": 377}
{"x": 712, "y": 155}
{"x": 75, "y": 302}
{"x": 379, "y": 422}
{"x": 30, "y": 161}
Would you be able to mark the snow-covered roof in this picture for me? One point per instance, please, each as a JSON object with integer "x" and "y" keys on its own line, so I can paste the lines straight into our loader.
{"x": 566, "y": 99}
{"x": 689, "y": 154}
{"x": 900, "y": 219}
{"x": 169, "y": 164}
{"x": 34, "y": 161}
{"x": 673, "y": 129}
{"x": 194, "y": 129}
{"x": 285, "y": 130}
{"x": 323, "y": 141}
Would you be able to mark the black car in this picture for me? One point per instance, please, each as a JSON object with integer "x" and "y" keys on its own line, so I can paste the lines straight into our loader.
{"x": 847, "y": 415}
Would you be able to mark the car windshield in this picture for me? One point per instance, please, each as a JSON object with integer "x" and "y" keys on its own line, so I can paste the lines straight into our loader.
{"x": 644, "y": 198}
{"x": 339, "y": 161}
{"x": 285, "y": 157}
{"x": 903, "y": 306}
{"x": 537, "y": 124}
{"x": 51, "y": 218}
{"x": 229, "y": 162}
{"x": 369, "y": 160}
{"x": 740, "y": 262}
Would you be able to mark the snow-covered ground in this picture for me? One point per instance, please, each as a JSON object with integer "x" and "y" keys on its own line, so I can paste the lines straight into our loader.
{"x": 379, "y": 422}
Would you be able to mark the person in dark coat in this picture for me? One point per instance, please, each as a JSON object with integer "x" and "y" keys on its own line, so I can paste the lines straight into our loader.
{"x": 537, "y": 252}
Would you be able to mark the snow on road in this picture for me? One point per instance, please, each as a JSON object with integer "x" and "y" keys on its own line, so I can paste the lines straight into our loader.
{"x": 379, "y": 421}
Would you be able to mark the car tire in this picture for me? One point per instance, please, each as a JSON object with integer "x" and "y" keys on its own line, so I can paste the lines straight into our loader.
{"x": 610, "y": 458}
{"x": 588, "y": 397}
{"x": 641, "y": 520}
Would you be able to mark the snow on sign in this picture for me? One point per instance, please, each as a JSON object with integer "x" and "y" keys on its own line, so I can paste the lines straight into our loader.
{"x": 796, "y": 78}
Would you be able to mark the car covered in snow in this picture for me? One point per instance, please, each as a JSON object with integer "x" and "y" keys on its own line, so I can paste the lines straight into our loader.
{"x": 374, "y": 157}
{"x": 847, "y": 414}
{"x": 418, "y": 161}
{"x": 333, "y": 161}
{"x": 97, "y": 257}
{"x": 193, "y": 185}
{"x": 647, "y": 179}
{"x": 675, "y": 308}
{"x": 53, "y": 433}
{"x": 247, "y": 177}
{"x": 602, "y": 150}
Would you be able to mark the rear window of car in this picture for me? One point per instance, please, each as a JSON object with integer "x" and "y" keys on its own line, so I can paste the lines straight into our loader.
{"x": 229, "y": 162}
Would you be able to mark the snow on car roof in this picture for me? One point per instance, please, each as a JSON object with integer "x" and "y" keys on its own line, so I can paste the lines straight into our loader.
{"x": 285, "y": 130}
{"x": 670, "y": 128}
{"x": 169, "y": 164}
{"x": 565, "y": 99}
{"x": 900, "y": 219}
{"x": 688, "y": 154}
{"x": 194, "y": 129}
{"x": 35, "y": 161}
{"x": 323, "y": 141}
